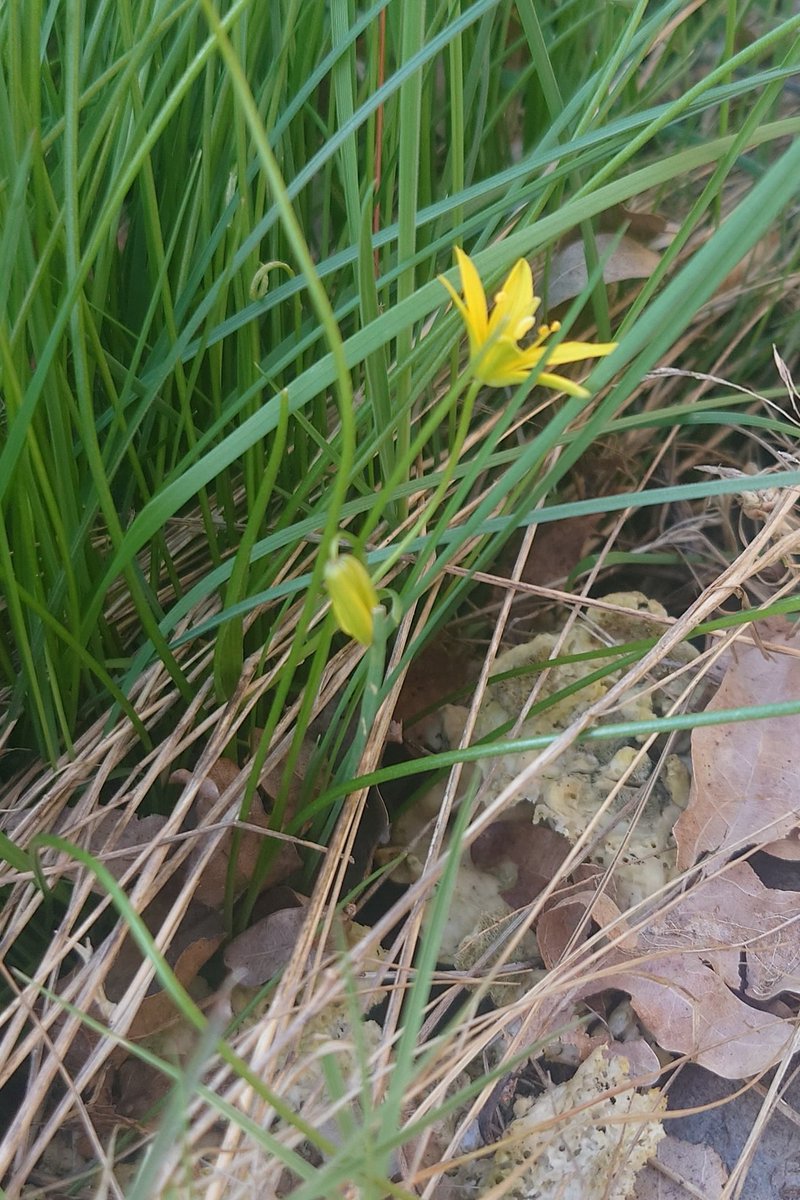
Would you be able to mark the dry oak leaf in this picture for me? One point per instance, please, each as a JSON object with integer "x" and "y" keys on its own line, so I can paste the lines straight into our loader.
{"x": 698, "y": 1166}
{"x": 210, "y": 883}
{"x": 517, "y": 849}
{"x": 687, "y": 1006}
{"x": 574, "y": 1045}
{"x": 746, "y": 776}
{"x": 787, "y": 848}
{"x": 565, "y": 913}
{"x": 118, "y": 838}
{"x": 260, "y": 952}
{"x": 731, "y": 913}
{"x": 198, "y": 936}
{"x": 690, "y": 1010}
{"x": 627, "y": 259}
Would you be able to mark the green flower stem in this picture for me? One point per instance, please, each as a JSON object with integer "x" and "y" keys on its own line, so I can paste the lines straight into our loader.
{"x": 444, "y": 482}
{"x": 343, "y": 390}
{"x": 412, "y": 41}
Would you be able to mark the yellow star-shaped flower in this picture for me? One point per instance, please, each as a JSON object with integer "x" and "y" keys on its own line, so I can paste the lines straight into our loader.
{"x": 497, "y": 359}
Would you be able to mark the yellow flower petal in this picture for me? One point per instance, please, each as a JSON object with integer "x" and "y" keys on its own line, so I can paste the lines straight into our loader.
{"x": 496, "y": 358}
{"x": 561, "y": 384}
{"x": 459, "y": 303}
{"x": 474, "y": 295}
{"x": 515, "y": 303}
{"x": 501, "y": 363}
{"x": 353, "y": 597}
{"x": 568, "y": 352}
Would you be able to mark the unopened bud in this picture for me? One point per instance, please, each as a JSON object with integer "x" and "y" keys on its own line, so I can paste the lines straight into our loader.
{"x": 353, "y": 597}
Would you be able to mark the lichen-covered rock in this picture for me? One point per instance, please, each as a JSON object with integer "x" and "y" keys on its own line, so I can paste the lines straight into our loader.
{"x": 568, "y": 793}
{"x": 582, "y": 1140}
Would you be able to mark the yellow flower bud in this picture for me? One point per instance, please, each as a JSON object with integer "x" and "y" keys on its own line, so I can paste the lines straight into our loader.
{"x": 353, "y": 597}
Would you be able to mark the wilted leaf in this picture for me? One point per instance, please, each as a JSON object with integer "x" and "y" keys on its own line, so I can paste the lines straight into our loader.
{"x": 557, "y": 549}
{"x": 681, "y": 979}
{"x": 220, "y": 776}
{"x": 198, "y": 936}
{"x": 261, "y": 951}
{"x": 688, "y": 1009}
{"x": 441, "y": 668}
{"x": 535, "y": 851}
{"x": 564, "y": 912}
{"x": 115, "y": 832}
{"x": 273, "y": 781}
{"x": 569, "y": 276}
{"x": 696, "y": 1165}
{"x": 643, "y": 1067}
{"x": 746, "y": 776}
{"x": 731, "y": 913}
{"x": 575, "y": 1045}
{"x": 787, "y": 848}
{"x": 137, "y": 1087}
{"x": 644, "y": 226}
{"x": 211, "y": 883}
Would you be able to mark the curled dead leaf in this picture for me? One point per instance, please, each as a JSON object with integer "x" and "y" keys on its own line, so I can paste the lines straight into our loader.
{"x": 564, "y": 913}
{"x": 118, "y": 838}
{"x": 690, "y": 1010}
{"x": 678, "y": 1163}
{"x": 745, "y": 777}
{"x": 197, "y": 938}
{"x": 260, "y": 952}
{"x": 210, "y": 881}
{"x": 628, "y": 259}
{"x": 682, "y": 974}
{"x": 731, "y": 915}
{"x": 531, "y": 853}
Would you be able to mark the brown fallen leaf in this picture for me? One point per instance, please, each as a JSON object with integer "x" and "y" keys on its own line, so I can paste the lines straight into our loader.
{"x": 209, "y": 887}
{"x": 536, "y": 852}
{"x": 557, "y": 549}
{"x": 688, "y": 1006}
{"x": 117, "y": 831}
{"x": 114, "y": 1095}
{"x": 643, "y": 1067}
{"x": 690, "y": 1010}
{"x": 678, "y": 1163}
{"x": 647, "y": 227}
{"x": 731, "y": 913}
{"x": 137, "y": 1088}
{"x": 746, "y": 776}
{"x": 563, "y": 913}
{"x": 575, "y": 1045}
{"x": 439, "y": 670}
{"x": 198, "y": 936}
{"x": 629, "y": 259}
{"x": 261, "y": 951}
{"x": 273, "y": 780}
{"x": 684, "y": 972}
{"x": 787, "y": 848}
